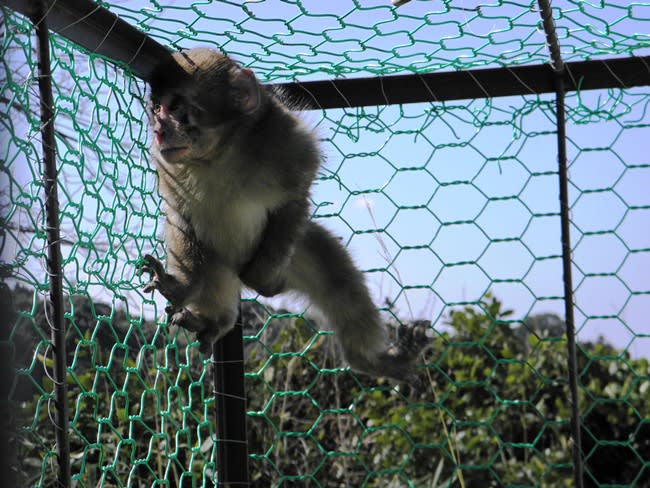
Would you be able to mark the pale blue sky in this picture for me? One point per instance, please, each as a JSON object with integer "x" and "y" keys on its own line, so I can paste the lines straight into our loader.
{"x": 479, "y": 171}
{"x": 442, "y": 215}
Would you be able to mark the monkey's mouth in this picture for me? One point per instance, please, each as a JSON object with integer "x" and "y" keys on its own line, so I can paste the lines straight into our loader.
{"x": 173, "y": 151}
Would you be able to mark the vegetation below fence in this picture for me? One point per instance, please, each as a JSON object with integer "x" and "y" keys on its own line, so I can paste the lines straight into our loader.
{"x": 492, "y": 407}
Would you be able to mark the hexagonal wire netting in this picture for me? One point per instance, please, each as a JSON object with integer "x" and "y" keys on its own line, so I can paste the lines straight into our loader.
{"x": 450, "y": 208}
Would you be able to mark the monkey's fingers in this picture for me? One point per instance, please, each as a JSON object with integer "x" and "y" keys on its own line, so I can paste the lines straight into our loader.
{"x": 187, "y": 320}
{"x": 149, "y": 264}
{"x": 153, "y": 284}
{"x": 149, "y": 287}
{"x": 171, "y": 309}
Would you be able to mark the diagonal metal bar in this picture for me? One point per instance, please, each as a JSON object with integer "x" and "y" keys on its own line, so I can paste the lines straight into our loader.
{"x": 101, "y": 31}
{"x": 55, "y": 306}
{"x": 559, "y": 70}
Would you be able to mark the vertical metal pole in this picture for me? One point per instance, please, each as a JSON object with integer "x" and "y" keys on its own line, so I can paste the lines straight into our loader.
{"x": 54, "y": 271}
{"x": 568, "y": 293}
{"x": 559, "y": 70}
{"x": 230, "y": 401}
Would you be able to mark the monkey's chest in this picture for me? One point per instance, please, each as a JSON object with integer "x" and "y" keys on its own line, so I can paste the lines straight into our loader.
{"x": 233, "y": 229}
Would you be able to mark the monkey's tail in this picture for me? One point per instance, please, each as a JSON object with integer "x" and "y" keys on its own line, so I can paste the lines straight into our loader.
{"x": 322, "y": 269}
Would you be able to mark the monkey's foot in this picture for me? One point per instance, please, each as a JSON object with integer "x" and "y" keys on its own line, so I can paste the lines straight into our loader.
{"x": 208, "y": 331}
{"x": 182, "y": 317}
{"x": 398, "y": 361}
{"x": 168, "y": 285}
{"x": 411, "y": 340}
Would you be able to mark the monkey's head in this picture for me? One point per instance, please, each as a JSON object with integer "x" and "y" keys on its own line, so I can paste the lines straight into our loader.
{"x": 197, "y": 97}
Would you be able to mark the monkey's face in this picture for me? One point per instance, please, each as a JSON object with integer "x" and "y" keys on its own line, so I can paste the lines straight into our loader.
{"x": 179, "y": 132}
{"x": 193, "y": 111}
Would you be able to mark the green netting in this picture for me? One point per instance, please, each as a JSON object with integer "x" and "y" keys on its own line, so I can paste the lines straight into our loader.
{"x": 295, "y": 39}
{"x": 450, "y": 208}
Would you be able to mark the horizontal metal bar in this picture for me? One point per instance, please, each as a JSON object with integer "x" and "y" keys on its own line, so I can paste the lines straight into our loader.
{"x": 101, "y": 31}
{"x": 468, "y": 84}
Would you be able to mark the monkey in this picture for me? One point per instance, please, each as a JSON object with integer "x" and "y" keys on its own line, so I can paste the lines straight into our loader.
{"x": 235, "y": 166}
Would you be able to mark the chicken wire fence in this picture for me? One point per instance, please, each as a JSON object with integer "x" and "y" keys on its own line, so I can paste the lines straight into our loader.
{"x": 450, "y": 208}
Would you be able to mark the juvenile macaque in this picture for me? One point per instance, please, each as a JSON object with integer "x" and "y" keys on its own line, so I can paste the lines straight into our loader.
{"x": 235, "y": 166}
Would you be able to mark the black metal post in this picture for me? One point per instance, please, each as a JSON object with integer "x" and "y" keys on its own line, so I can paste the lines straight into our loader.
{"x": 559, "y": 70}
{"x": 55, "y": 305}
{"x": 230, "y": 401}
{"x": 568, "y": 292}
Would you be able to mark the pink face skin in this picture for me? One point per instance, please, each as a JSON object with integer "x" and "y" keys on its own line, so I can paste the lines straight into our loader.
{"x": 179, "y": 135}
{"x": 169, "y": 137}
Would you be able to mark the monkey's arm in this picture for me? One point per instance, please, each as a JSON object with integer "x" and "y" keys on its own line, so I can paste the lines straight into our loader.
{"x": 185, "y": 257}
{"x": 265, "y": 272}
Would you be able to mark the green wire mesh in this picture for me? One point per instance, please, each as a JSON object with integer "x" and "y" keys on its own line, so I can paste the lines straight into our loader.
{"x": 295, "y": 39}
{"x": 450, "y": 209}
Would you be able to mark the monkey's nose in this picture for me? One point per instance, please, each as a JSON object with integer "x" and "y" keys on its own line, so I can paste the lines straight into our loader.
{"x": 159, "y": 136}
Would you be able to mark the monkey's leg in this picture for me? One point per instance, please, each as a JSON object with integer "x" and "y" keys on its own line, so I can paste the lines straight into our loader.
{"x": 212, "y": 308}
{"x": 265, "y": 272}
{"x": 323, "y": 270}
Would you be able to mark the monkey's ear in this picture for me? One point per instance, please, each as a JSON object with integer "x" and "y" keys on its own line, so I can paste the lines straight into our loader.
{"x": 246, "y": 90}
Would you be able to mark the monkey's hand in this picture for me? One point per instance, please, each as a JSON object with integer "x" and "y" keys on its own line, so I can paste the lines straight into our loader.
{"x": 264, "y": 276}
{"x": 168, "y": 285}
